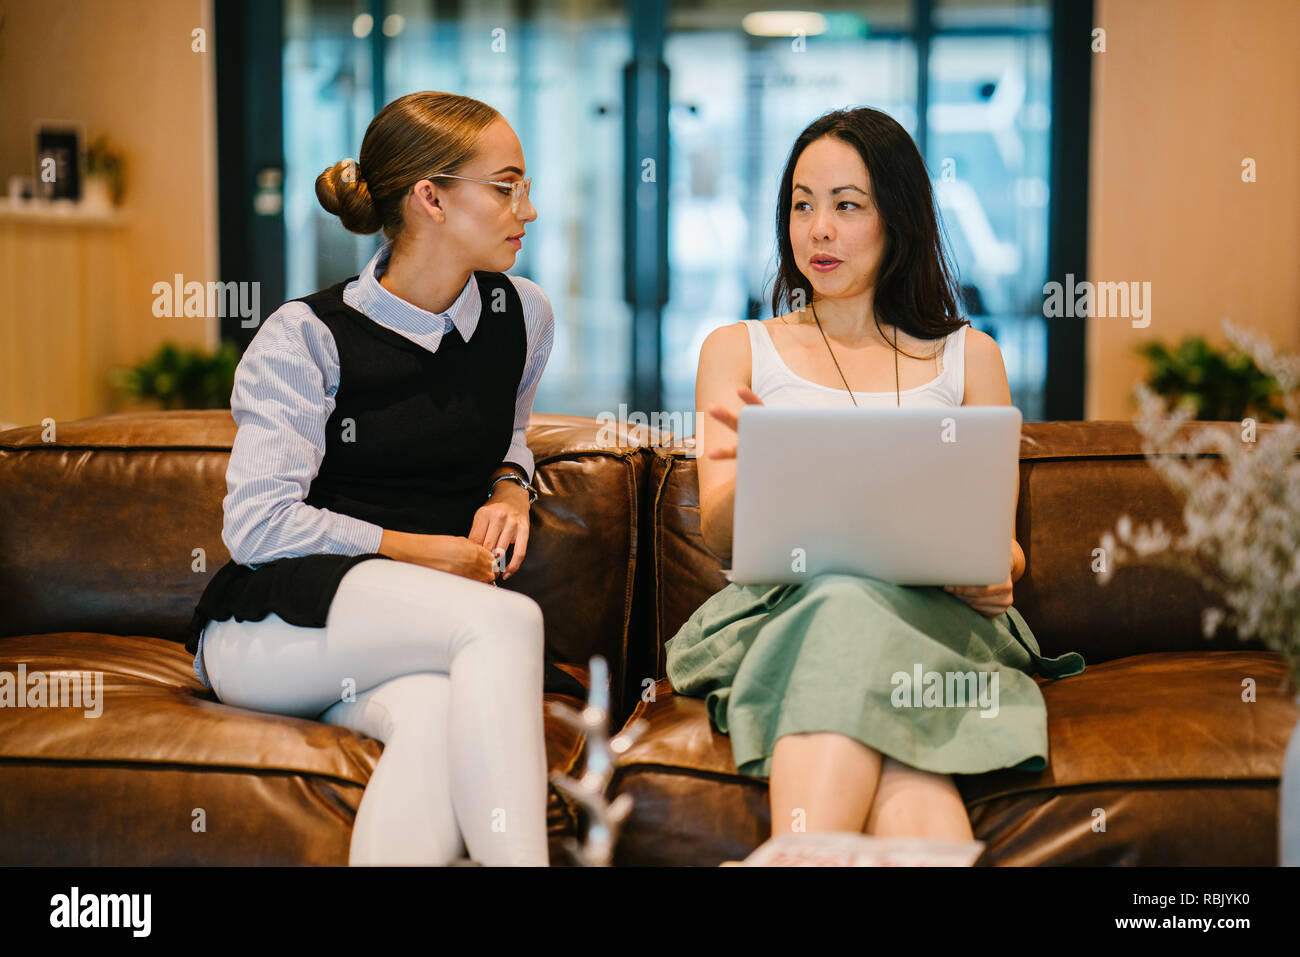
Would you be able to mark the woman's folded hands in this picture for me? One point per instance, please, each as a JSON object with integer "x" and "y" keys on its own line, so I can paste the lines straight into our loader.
{"x": 448, "y": 553}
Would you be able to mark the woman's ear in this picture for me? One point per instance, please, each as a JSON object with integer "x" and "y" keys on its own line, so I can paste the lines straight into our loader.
{"x": 425, "y": 195}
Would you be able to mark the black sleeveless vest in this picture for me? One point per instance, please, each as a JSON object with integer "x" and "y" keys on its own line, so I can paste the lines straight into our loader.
{"x": 415, "y": 435}
{"x": 411, "y": 445}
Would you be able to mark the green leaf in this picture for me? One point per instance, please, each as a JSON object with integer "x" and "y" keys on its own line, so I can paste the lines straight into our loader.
{"x": 1221, "y": 386}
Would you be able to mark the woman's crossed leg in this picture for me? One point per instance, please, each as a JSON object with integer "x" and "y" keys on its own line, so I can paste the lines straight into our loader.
{"x": 826, "y": 781}
{"x": 464, "y": 711}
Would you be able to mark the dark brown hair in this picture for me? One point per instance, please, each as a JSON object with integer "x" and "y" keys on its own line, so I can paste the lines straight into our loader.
{"x": 915, "y": 286}
{"x": 408, "y": 140}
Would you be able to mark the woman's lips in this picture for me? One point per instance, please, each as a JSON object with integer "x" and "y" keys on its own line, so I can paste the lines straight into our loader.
{"x": 824, "y": 263}
{"x": 516, "y": 241}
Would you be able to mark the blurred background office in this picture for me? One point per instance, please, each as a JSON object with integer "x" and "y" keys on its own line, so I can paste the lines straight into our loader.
{"x": 1097, "y": 139}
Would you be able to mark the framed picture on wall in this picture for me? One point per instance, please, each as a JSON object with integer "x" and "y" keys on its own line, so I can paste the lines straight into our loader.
{"x": 58, "y": 160}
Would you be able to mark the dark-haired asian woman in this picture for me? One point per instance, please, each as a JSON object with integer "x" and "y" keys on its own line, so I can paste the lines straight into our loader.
{"x": 801, "y": 676}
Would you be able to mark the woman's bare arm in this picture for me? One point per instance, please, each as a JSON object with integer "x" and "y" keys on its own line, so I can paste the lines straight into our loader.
{"x": 724, "y": 368}
{"x": 986, "y": 384}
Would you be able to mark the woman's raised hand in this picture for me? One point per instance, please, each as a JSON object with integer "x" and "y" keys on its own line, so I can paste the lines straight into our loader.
{"x": 732, "y": 421}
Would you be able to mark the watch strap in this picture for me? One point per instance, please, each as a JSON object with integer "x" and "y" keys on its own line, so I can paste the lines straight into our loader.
{"x": 522, "y": 482}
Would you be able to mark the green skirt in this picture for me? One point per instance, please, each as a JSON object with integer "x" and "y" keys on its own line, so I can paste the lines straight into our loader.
{"x": 911, "y": 671}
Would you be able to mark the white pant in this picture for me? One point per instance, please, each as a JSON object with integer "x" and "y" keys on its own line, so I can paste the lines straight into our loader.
{"x": 447, "y": 672}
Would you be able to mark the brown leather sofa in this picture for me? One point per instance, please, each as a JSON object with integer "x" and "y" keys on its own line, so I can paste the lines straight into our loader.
{"x": 111, "y": 528}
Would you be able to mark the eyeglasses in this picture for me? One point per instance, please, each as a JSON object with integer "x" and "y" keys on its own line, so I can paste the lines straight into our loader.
{"x": 518, "y": 189}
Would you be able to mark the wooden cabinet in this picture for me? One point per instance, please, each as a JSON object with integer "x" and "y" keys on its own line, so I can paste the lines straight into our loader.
{"x": 62, "y": 312}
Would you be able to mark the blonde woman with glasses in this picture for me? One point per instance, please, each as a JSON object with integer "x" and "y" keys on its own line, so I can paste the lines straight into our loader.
{"x": 379, "y": 482}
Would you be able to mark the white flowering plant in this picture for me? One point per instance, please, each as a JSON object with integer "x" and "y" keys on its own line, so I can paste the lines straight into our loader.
{"x": 1242, "y": 523}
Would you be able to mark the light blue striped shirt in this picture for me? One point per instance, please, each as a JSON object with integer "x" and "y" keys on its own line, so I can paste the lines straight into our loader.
{"x": 284, "y": 394}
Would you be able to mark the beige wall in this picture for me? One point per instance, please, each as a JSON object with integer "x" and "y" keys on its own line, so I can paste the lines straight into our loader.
{"x": 1185, "y": 90}
{"x": 124, "y": 68}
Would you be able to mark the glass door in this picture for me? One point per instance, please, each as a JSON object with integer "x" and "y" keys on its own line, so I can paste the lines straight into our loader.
{"x": 553, "y": 68}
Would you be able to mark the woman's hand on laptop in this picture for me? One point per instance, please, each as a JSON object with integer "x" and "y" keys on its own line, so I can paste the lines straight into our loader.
{"x": 731, "y": 420}
{"x": 992, "y": 600}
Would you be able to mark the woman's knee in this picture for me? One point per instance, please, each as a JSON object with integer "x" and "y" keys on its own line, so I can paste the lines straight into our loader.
{"x": 419, "y": 700}
{"x": 511, "y": 617}
{"x": 422, "y": 697}
{"x": 475, "y": 606}
{"x": 846, "y": 585}
{"x": 835, "y": 585}
{"x": 895, "y": 773}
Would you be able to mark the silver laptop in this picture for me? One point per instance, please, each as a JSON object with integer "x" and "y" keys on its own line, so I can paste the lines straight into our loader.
{"x": 911, "y": 496}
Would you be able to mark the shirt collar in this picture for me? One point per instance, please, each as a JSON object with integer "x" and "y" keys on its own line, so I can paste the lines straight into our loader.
{"x": 368, "y": 296}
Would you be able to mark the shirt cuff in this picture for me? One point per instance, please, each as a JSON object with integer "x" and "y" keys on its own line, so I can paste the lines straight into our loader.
{"x": 520, "y": 457}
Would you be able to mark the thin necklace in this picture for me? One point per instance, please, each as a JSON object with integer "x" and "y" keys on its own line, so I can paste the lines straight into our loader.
{"x": 897, "y": 384}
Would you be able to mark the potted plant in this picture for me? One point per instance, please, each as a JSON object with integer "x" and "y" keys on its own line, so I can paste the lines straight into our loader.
{"x": 181, "y": 378}
{"x": 1242, "y": 538}
{"x": 1222, "y": 386}
{"x": 105, "y": 176}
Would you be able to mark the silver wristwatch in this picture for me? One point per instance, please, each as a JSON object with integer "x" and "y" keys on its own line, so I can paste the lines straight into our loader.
{"x": 523, "y": 483}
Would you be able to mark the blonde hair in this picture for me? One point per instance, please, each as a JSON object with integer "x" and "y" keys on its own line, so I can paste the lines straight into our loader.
{"x": 409, "y": 139}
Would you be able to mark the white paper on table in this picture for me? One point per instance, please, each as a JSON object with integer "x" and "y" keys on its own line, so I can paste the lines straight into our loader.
{"x": 848, "y": 849}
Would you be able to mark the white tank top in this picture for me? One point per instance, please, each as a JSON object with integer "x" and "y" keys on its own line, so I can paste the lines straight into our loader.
{"x": 774, "y": 383}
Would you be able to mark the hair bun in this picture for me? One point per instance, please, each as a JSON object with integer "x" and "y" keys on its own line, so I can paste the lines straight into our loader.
{"x": 350, "y": 172}
{"x": 343, "y": 192}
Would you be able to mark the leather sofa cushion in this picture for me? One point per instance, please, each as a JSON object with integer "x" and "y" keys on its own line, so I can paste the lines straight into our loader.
{"x": 115, "y": 528}
{"x": 1163, "y": 743}
{"x": 121, "y": 787}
